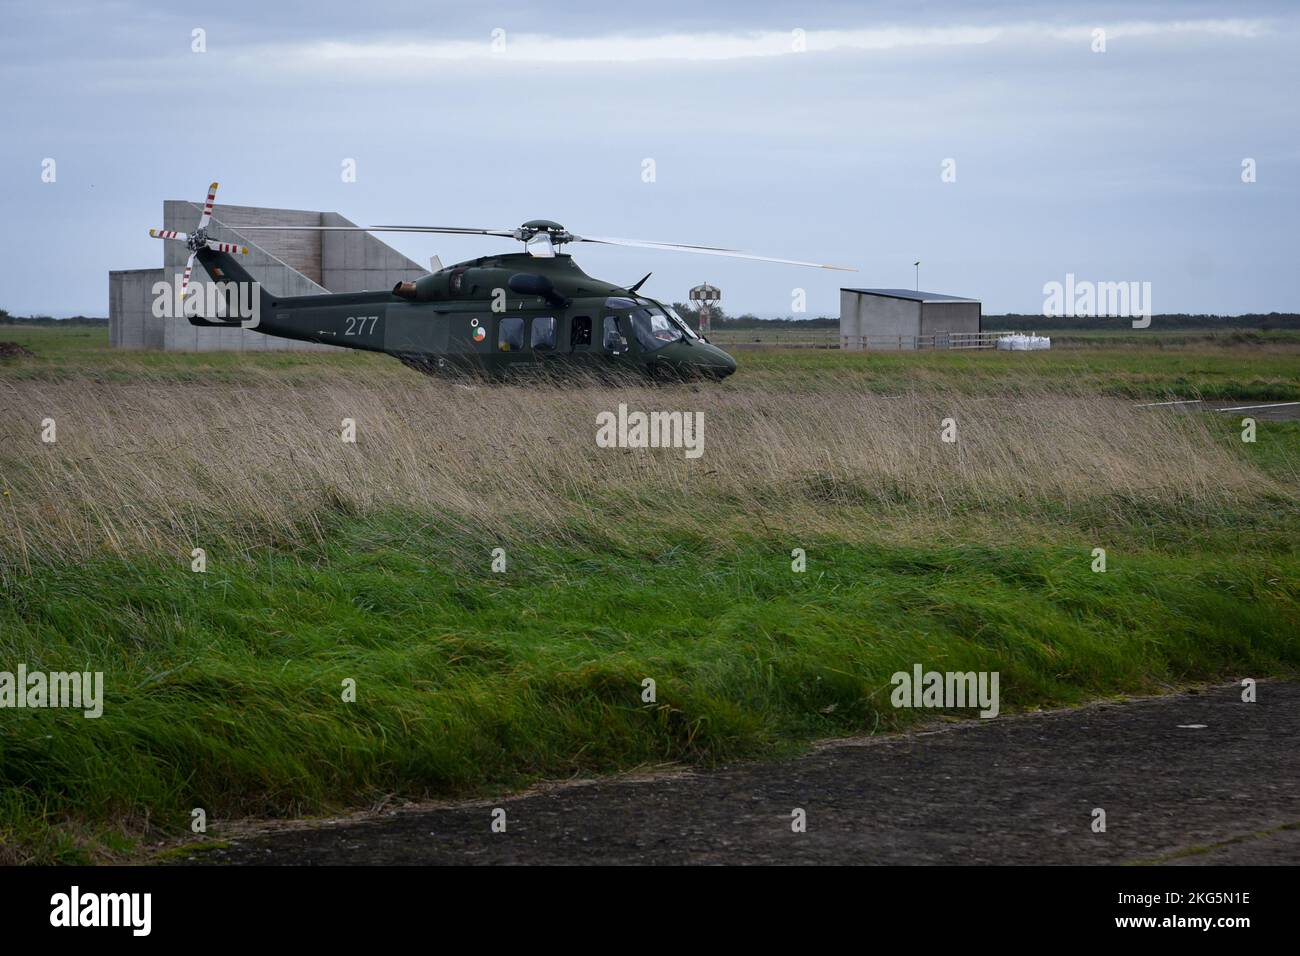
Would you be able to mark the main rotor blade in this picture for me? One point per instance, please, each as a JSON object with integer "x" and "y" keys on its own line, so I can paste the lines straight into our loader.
{"x": 452, "y": 230}
{"x": 705, "y": 251}
{"x": 653, "y": 244}
{"x": 207, "y": 206}
{"x": 515, "y": 234}
{"x": 169, "y": 234}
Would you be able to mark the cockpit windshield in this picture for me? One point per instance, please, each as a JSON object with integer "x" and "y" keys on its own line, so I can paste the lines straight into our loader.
{"x": 682, "y": 322}
{"x": 654, "y": 325}
{"x": 653, "y": 329}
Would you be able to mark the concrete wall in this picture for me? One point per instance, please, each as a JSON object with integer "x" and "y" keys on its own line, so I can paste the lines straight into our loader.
{"x": 877, "y": 318}
{"x": 131, "y": 324}
{"x": 940, "y": 317}
{"x": 358, "y": 262}
{"x": 286, "y": 263}
{"x": 299, "y": 250}
{"x": 848, "y": 318}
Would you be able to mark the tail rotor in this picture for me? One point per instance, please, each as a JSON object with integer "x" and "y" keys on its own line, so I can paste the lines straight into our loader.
{"x": 198, "y": 239}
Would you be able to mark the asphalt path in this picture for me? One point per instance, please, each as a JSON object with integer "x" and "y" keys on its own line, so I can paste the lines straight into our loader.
{"x": 1267, "y": 411}
{"x": 1190, "y": 778}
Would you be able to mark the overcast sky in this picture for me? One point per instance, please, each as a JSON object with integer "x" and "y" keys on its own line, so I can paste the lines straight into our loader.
{"x": 1117, "y": 165}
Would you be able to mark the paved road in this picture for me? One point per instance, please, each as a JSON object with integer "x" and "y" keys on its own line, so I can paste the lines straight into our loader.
{"x": 1260, "y": 411}
{"x": 1018, "y": 789}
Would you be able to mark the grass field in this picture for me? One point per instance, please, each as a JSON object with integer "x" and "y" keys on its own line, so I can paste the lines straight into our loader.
{"x": 1245, "y": 365}
{"x": 372, "y": 562}
{"x": 1120, "y": 337}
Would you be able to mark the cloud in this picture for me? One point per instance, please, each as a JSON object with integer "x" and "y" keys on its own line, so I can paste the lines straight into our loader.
{"x": 1119, "y": 165}
{"x": 404, "y": 55}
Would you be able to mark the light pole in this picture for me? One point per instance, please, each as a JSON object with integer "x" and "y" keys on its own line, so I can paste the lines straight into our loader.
{"x": 917, "y": 263}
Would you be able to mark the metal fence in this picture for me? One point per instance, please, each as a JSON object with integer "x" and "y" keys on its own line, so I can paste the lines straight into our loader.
{"x": 785, "y": 338}
{"x": 979, "y": 340}
{"x": 831, "y": 339}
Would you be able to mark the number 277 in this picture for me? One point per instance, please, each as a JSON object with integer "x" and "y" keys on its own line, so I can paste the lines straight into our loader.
{"x": 357, "y": 324}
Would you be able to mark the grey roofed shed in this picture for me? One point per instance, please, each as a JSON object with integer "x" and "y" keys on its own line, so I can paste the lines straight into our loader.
{"x": 904, "y": 318}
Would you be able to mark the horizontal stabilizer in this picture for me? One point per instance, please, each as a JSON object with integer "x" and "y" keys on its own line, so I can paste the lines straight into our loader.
{"x": 215, "y": 323}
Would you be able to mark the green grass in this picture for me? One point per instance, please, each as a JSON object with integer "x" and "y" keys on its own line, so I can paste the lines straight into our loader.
{"x": 64, "y": 353}
{"x": 1208, "y": 372}
{"x": 1160, "y": 339}
{"x": 224, "y": 688}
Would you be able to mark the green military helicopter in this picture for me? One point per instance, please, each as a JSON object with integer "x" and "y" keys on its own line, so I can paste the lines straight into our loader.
{"x": 495, "y": 315}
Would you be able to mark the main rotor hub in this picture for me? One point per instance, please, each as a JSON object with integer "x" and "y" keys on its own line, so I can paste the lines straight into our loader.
{"x": 198, "y": 239}
{"x": 537, "y": 227}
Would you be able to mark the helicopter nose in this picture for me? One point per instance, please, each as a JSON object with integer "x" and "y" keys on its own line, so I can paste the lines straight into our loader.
{"x": 720, "y": 363}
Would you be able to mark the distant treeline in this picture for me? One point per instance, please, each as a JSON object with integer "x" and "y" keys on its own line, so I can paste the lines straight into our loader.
{"x": 1170, "y": 322}
{"x": 723, "y": 321}
{"x": 7, "y": 319}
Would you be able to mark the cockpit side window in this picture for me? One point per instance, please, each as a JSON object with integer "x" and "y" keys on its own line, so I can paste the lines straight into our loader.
{"x": 613, "y": 339}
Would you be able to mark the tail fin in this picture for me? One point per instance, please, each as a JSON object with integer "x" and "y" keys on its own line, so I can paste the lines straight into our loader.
{"x": 225, "y": 268}
{"x": 215, "y": 257}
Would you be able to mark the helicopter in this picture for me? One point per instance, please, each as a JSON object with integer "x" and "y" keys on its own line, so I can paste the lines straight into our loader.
{"x": 494, "y": 316}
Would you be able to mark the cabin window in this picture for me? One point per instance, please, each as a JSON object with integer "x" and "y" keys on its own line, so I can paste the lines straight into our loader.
{"x": 543, "y": 333}
{"x": 580, "y": 332}
{"x": 510, "y": 335}
{"x": 613, "y": 338}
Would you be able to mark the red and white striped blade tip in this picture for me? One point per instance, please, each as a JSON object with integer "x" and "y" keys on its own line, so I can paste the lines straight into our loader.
{"x": 207, "y": 206}
{"x": 168, "y": 234}
{"x": 227, "y": 247}
{"x": 185, "y": 280}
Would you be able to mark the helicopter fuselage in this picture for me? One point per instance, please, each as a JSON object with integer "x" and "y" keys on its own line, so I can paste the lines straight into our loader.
{"x": 496, "y": 315}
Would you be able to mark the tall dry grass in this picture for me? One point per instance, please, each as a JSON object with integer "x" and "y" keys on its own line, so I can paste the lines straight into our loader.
{"x": 162, "y": 466}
